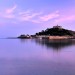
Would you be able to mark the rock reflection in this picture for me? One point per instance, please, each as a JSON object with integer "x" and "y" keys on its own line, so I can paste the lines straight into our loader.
{"x": 23, "y": 40}
{"x": 55, "y": 44}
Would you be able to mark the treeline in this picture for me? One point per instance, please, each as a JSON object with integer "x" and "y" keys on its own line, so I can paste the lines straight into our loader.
{"x": 56, "y": 32}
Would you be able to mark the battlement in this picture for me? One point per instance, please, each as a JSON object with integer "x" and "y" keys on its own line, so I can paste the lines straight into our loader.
{"x": 60, "y": 27}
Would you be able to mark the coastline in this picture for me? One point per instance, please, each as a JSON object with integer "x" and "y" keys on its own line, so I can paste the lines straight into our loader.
{"x": 55, "y": 37}
{"x": 48, "y": 37}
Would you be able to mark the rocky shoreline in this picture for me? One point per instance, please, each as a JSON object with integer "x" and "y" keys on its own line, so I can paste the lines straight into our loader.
{"x": 47, "y": 37}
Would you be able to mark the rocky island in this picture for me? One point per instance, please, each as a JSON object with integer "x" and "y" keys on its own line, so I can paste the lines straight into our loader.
{"x": 57, "y": 32}
{"x": 23, "y": 36}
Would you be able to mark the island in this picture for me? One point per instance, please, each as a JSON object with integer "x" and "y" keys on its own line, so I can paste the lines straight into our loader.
{"x": 23, "y": 36}
{"x": 56, "y": 32}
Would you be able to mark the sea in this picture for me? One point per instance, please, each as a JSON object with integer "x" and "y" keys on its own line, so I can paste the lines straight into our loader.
{"x": 37, "y": 57}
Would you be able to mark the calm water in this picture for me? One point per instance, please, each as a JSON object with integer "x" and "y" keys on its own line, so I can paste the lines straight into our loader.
{"x": 37, "y": 57}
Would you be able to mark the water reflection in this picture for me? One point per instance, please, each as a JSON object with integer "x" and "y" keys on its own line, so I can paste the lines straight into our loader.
{"x": 23, "y": 40}
{"x": 29, "y": 57}
{"x": 55, "y": 44}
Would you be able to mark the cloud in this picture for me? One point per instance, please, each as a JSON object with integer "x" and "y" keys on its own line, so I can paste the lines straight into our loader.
{"x": 49, "y": 16}
{"x": 65, "y": 18}
{"x": 9, "y": 16}
{"x": 8, "y": 13}
{"x": 36, "y": 17}
{"x": 36, "y": 21}
{"x": 29, "y": 16}
{"x": 11, "y": 10}
{"x": 25, "y": 12}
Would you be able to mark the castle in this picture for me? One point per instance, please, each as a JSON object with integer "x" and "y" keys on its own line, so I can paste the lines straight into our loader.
{"x": 57, "y": 26}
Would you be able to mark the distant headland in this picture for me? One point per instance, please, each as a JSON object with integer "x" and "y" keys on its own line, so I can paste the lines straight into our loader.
{"x": 57, "y": 32}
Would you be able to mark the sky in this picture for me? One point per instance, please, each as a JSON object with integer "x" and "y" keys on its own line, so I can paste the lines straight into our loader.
{"x": 31, "y": 16}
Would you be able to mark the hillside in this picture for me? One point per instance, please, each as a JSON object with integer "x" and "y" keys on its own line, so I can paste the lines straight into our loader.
{"x": 57, "y": 31}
